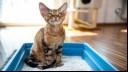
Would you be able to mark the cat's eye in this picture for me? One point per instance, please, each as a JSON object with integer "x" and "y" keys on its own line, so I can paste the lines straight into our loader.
{"x": 60, "y": 14}
{"x": 49, "y": 14}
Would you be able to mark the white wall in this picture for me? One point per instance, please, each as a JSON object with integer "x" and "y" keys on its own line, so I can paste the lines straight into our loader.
{"x": 107, "y": 11}
{"x": 0, "y": 8}
{"x": 27, "y": 11}
{"x": 23, "y": 11}
{"x": 106, "y": 14}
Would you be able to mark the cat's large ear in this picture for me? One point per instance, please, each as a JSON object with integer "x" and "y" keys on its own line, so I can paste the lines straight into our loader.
{"x": 63, "y": 8}
{"x": 43, "y": 9}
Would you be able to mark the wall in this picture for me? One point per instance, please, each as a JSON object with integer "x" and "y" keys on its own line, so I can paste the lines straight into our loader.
{"x": 107, "y": 11}
{"x": 23, "y": 11}
{"x": 0, "y": 9}
{"x": 106, "y": 14}
{"x": 27, "y": 11}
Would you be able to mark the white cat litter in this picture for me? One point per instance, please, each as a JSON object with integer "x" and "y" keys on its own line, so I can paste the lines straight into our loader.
{"x": 71, "y": 63}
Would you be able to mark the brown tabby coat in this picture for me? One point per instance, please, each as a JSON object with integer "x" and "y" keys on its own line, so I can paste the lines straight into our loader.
{"x": 47, "y": 47}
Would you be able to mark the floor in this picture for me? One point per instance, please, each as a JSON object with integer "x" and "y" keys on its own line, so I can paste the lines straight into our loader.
{"x": 2, "y": 55}
{"x": 110, "y": 41}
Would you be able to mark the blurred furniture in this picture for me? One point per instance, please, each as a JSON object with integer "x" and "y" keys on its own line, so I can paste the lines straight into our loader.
{"x": 90, "y": 7}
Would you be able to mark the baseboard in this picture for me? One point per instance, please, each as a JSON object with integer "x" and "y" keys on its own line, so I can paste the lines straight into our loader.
{"x": 111, "y": 24}
{"x": 22, "y": 24}
{"x": 37, "y": 24}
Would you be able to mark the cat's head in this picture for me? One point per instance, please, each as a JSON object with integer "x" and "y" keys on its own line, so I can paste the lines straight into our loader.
{"x": 53, "y": 16}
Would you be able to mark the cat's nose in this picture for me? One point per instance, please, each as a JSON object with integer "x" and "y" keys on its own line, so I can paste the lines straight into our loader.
{"x": 56, "y": 18}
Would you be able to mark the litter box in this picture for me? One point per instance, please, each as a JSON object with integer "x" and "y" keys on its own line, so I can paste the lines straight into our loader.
{"x": 84, "y": 50}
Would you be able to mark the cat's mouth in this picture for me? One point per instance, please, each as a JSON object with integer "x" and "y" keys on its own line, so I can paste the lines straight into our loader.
{"x": 55, "y": 22}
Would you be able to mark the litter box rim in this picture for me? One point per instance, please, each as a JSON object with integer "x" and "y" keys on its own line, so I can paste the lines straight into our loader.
{"x": 92, "y": 57}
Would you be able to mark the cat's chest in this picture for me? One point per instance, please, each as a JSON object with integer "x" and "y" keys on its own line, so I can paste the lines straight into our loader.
{"x": 54, "y": 38}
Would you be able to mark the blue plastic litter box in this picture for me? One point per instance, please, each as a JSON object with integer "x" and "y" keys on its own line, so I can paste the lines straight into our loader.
{"x": 95, "y": 61}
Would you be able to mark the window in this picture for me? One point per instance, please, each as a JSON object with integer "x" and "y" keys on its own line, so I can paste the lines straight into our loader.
{"x": 23, "y": 11}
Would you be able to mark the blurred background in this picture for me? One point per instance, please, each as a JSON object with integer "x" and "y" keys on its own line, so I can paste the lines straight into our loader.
{"x": 101, "y": 23}
{"x": 27, "y": 11}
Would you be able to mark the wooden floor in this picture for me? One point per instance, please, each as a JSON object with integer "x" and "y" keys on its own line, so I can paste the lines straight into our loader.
{"x": 109, "y": 41}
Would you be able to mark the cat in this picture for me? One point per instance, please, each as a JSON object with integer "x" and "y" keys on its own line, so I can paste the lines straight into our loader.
{"x": 46, "y": 50}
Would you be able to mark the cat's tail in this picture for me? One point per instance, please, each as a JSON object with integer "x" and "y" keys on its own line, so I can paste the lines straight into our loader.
{"x": 30, "y": 62}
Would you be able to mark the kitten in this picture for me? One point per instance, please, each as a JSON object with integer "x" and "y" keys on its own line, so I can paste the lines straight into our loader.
{"x": 46, "y": 50}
